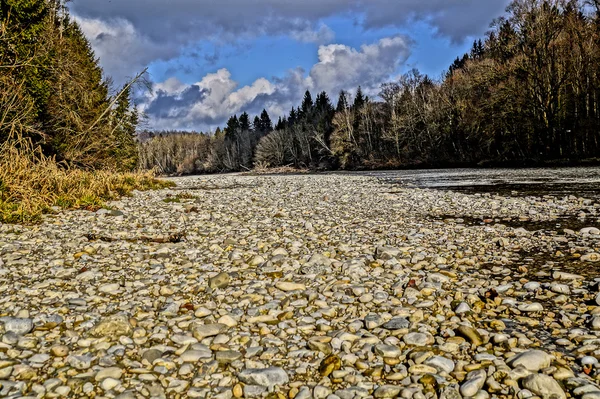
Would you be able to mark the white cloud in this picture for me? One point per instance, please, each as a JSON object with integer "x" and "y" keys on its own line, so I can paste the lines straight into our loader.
{"x": 123, "y": 51}
{"x": 129, "y": 34}
{"x": 209, "y": 102}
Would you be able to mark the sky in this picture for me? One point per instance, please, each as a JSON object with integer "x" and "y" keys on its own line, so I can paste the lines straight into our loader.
{"x": 208, "y": 60}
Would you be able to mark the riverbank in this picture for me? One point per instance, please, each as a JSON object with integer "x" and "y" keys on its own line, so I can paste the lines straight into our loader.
{"x": 304, "y": 285}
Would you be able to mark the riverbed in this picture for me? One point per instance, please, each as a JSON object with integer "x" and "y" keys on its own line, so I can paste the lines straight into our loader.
{"x": 324, "y": 286}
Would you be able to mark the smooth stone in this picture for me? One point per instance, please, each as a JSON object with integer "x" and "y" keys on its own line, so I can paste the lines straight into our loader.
{"x": 387, "y": 391}
{"x": 388, "y": 351}
{"x": 418, "y": 339}
{"x": 533, "y": 360}
{"x": 474, "y": 382}
{"x": 531, "y": 307}
{"x": 110, "y": 372}
{"x": 112, "y": 288}
{"x": 544, "y": 386}
{"x": 441, "y": 363}
{"x": 289, "y": 286}
{"x": 397, "y": 323}
{"x": 471, "y": 334}
{"x": 17, "y": 325}
{"x": 208, "y": 330}
{"x": 193, "y": 356}
{"x": 268, "y": 377}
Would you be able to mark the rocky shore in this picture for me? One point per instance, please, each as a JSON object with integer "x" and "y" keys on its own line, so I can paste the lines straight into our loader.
{"x": 303, "y": 287}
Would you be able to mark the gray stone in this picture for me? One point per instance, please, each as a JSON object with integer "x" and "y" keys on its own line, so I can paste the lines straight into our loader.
{"x": 269, "y": 377}
{"x": 17, "y": 325}
{"x": 397, "y": 323}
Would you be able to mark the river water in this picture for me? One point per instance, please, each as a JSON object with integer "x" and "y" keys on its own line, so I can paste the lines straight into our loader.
{"x": 580, "y": 181}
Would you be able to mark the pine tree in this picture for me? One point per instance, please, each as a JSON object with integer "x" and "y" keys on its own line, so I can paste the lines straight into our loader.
{"x": 307, "y": 106}
{"x": 342, "y": 103}
{"x": 256, "y": 124}
{"x": 292, "y": 119}
{"x": 244, "y": 122}
{"x": 232, "y": 128}
{"x": 359, "y": 100}
{"x": 266, "y": 126}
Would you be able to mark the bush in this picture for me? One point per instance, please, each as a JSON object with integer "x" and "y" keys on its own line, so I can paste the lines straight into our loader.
{"x": 272, "y": 149}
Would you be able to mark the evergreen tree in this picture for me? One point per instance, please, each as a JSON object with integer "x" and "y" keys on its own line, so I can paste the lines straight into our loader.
{"x": 244, "y": 122}
{"x": 266, "y": 126}
{"x": 281, "y": 123}
{"x": 292, "y": 119}
{"x": 359, "y": 100}
{"x": 307, "y": 106}
{"x": 342, "y": 103}
{"x": 256, "y": 124}
{"x": 232, "y": 128}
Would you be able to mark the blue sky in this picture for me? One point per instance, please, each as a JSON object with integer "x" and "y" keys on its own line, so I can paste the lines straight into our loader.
{"x": 252, "y": 59}
{"x": 209, "y": 59}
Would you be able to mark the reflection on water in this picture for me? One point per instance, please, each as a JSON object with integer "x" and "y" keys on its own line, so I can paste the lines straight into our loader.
{"x": 580, "y": 182}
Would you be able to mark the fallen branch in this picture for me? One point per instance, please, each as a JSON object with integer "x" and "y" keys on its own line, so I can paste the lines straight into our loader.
{"x": 172, "y": 239}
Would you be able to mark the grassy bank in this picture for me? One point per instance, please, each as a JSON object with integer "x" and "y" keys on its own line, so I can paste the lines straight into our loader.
{"x": 32, "y": 183}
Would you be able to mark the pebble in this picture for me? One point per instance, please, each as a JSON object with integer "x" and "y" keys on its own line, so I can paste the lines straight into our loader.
{"x": 544, "y": 386}
{"x": 268, "y": 377}
{"x": 321, "y": 286}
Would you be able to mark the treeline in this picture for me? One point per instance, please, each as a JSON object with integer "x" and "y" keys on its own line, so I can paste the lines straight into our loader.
{"x": 529, "y": 92}
{"x": 52, "y": 91}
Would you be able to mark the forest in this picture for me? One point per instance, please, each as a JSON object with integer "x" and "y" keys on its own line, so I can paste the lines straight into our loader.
{"x": 528, "y": 93}
{"x": 67, "y": 136}
{"x": 52, "y": 90}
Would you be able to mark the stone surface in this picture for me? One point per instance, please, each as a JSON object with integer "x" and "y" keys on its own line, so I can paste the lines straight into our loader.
{"x": 320, "y": 286}
{"x": 544, "y": 386}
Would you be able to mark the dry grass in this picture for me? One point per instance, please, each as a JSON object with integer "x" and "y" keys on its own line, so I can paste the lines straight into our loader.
{"x": 31, "y": 184}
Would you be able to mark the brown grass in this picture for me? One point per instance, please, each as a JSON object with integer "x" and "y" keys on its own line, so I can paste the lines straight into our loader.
{"x": 31, "y": 184}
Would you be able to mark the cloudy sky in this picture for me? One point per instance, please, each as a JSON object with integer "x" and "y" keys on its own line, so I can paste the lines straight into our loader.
{"x": 210, "y": 59}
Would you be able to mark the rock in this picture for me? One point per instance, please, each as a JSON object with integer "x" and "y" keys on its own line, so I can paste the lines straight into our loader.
{"x": 386, "y": 253}
{"x": 470, "y": 334}
{"x": 387, "y": 351}
{"x": 82, "y": 362}
{"x": 109, "y": 372}
{"x": 17, "y": 325}
{"x": 387, "y": 391}
{"x": 441, "y": 363}
{"x": 221, "y": 280}
{"x": 330, "y": 364}
{"x": 373, "y": 321}
{"x": 193, "y": 356}
{"x": 462, "y": 308}
{"x": 208, "y": 330}
{"x": 531, "y": 307}
{"x": 269, "y": 377}
{"x": 226, "y": 357}
{"x": 113, "y": 327}
{"x": 289, "y": 286}
{"x": 544, "y": 386}
{"x": 591, "y": 257}
{"x": 473, "y": 384}
{"x": 152, "y": 354}
{"x": 397, "y": 323}
{"x": 112, "y": 289}
{"x": 418, "y": 339}
{"x": 533, "y": 360}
